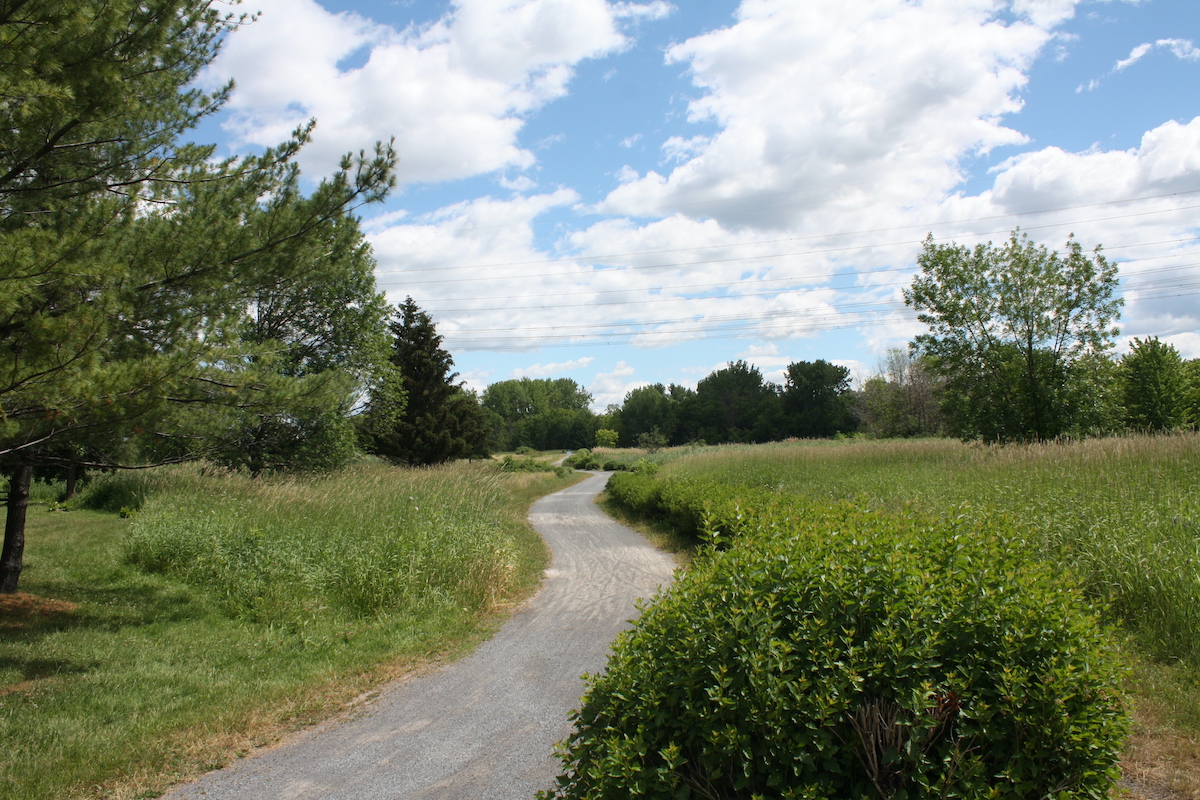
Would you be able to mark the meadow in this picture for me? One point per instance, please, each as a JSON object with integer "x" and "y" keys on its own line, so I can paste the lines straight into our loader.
{"x": 201, "y": 613}
{"x": 1121, "y": 515}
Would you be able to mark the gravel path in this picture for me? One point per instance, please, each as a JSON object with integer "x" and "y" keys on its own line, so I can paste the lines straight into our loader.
{"x": 484, "y": 727}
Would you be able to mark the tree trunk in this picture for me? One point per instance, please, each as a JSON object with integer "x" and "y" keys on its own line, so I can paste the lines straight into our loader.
{"x": 12, "y": 556}
{"x": 72, "y": 478}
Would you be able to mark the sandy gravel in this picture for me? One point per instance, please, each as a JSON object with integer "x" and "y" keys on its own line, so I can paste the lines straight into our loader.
{"x": 483, "y": 727}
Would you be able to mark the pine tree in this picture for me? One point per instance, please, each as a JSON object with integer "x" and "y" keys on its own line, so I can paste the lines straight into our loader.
{"x": 132, "y": 262}
{"x": 440, "y": 420}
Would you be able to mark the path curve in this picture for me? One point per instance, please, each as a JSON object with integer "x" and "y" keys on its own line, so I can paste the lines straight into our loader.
{"x": 484, "y": 727}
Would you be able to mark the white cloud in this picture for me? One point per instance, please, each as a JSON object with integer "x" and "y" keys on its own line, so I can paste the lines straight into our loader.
{"x": 653, "y": 10}
{"x": 1135, "y": 55}
{"x": 546, "y": 370}
{"x": 630, "y": 141}
{"x": 608, "y": 388}
{"x": 1181, "y": 48}
{"x": 476, "y": 380}
{"x": 835, "y": 138}
{"x": 1188, "y": 344}
{"x": 454, "y": 94}
{"x": 870, "y": 104}
{"x": 521, "y": 183}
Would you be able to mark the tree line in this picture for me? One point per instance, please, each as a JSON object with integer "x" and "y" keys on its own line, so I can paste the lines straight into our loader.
{"x": 1019, "y": 348}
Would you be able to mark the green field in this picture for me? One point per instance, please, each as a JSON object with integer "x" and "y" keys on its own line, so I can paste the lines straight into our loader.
{"x": 1120, "y": 515}
{"x": 226, "y": 611}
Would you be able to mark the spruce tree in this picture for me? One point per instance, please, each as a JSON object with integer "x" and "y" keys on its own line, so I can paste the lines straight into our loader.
{"x": 440, "y": 421}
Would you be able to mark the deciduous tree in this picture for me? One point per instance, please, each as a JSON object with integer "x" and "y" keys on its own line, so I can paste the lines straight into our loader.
{"x": 1009, "y": 326}
{"x": 817, "y": 399}
{"x": 1153, "y": 386}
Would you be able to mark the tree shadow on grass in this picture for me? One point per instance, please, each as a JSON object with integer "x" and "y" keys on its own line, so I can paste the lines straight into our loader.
{"x": 28, "y": 616}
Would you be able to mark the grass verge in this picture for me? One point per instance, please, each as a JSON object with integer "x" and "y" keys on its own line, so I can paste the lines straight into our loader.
{"x": 117, "y": 681}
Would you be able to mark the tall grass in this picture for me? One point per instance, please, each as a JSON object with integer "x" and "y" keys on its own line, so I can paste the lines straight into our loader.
{"x": 368, "y": 540}
{"x": 1122, "y": 513}
{"x": 254, "y": 607}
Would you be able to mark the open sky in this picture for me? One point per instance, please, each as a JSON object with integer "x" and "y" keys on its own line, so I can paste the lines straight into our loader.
{"x": 626, "y": 193}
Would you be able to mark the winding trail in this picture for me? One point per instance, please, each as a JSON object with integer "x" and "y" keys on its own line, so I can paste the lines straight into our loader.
{"x": 482, "y": 728}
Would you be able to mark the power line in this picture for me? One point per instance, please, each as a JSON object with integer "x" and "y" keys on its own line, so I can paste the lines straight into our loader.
{"x": 568, "y": 259}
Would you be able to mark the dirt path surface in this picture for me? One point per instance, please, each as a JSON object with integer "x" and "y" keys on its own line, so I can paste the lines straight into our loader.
{"x": 482, "y": 728}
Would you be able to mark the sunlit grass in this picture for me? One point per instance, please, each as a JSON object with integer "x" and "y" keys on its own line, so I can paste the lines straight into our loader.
{"x": 1120, "y": 513}
{"x": 116, "y": 680}
{"x": 1123, "y": 513}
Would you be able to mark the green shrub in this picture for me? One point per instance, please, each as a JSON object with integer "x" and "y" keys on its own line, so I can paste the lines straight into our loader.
{"x": 841, "y": 653}
{"x": 606, "y": 438}
{"x": 584, "y": 459}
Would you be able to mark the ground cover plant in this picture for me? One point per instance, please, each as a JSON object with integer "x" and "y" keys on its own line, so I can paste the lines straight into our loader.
{"x": 1117, "y": 516}
{"x": 222, "y": 610}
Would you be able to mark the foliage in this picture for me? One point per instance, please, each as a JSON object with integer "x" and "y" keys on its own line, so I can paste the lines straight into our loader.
{"x": 133, "y": 681}
{"x": 606, "y": 438}
{"x": 817, "y": 400}
{"x": 1191, "y": 371}
{"x": 1122, "y": 514}
{"x": 558, "y": 429}
{"x": 652, "y": 440}
{"x": 835, "y": 652}
{"x": 583, "y": 459}
{"x": 137, "y": 267}
{"x": 529, "y": 411}
{"x": 1153, "y": 386}
{"x": 646, "y": 409}
{"x": 729, "y": 405}
{"x": 439, "y": 420}
{"x": 530, "y": 464}
{"x": 902, "y": 400}
{"x": 1009, "y": 327}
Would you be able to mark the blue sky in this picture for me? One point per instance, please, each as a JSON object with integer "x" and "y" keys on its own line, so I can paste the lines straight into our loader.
{"x": 636, "y": 192}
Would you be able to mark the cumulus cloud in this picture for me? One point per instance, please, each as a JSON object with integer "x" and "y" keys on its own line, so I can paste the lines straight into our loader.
{"x": 611, "y": 387}
{"x": 454, "y": 93}
{"x": 546, "y": 370}
{"x": 829, "y": 139}
{"x": 872, "y": 104}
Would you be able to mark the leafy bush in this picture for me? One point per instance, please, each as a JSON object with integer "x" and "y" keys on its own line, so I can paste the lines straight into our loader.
{"x": 606, "y": 437}
{"x": 583, "y": 459}
{"x": 841, "y": 653}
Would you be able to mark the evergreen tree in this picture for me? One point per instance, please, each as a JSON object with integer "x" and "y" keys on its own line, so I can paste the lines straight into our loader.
{"x": 133, "y": 262}
{"x": 440, "y": 420}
